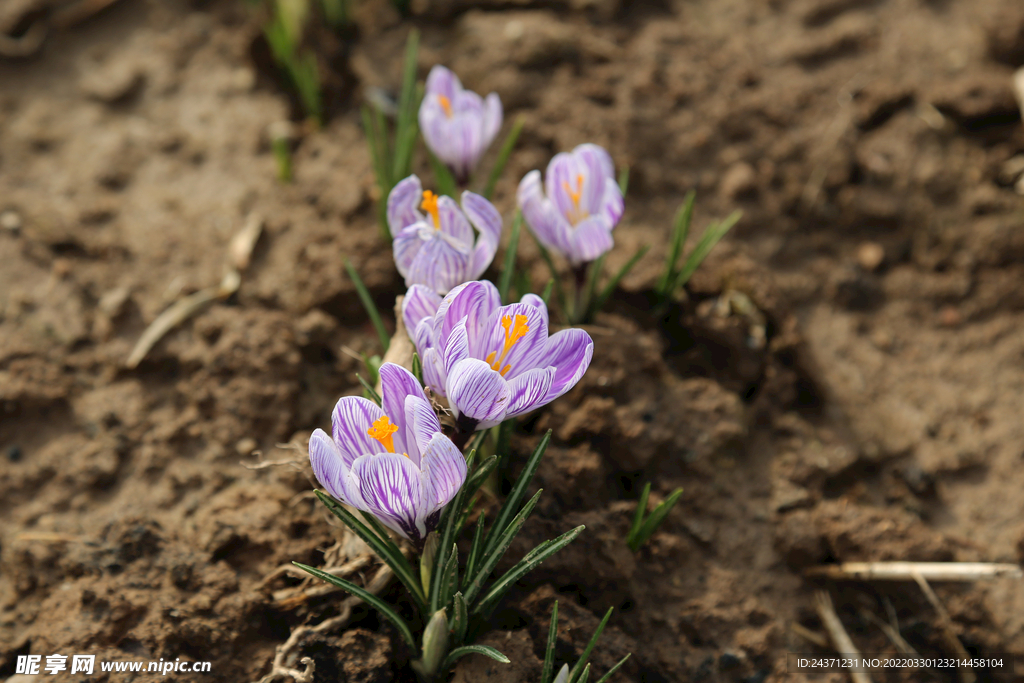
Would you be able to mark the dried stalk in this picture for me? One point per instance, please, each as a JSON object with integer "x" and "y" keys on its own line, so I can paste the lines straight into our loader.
{"x": 908, "y": 571}
{"x": 281, "y": 670}
{"x": 840, "y": 638}
{"x": 952, "y": 640}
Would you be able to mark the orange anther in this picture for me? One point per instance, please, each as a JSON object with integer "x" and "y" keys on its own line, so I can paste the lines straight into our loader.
{"x": 430, "y": 206}
{"x": 382, "y": 430}
{"x": 446, "y": 104}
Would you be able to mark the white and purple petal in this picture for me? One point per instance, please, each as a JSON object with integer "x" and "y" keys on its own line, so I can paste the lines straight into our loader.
{"x": 525, "y": 352}
{"x": 477, "y": 391}
{"x": 392, "y": 491}
{"x": 473, "y": 300}
{"x": 454, "y": 224}
{"x": 549, "y": 225}
{"x": 443, "y": 81}
{"x": 457, "y": 348}
{"x": 569, "y": 352}
{"x": 397, "y": 384}
{"x": 434, "y": 375}
{"x": 403, "y": 204}
{"x": 492, "y": 119}
{"x": 529, "y": 390}
{"x": 420, "y": 302}
{"x": 589, "y": 239}
{"x": 438, "y": 265}
{"x": 423, "y": 424}
{"x": 329, "y": 466}
{"x": 352, "y": 418}
{"x": 445, "y": 467}
{"x": 486, "y": 219}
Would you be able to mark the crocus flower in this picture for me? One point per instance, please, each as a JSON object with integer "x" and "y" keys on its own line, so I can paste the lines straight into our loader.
{"x": 582, "y": 205}
{"x": 391, "y": 461}
{"x": 492, "y": 362}
{"x": 458, "y": 125}
{"x": 437, "y": 249}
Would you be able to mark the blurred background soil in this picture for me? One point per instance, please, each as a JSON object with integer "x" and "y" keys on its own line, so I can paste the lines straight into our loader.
{"x": 844, "y": 383}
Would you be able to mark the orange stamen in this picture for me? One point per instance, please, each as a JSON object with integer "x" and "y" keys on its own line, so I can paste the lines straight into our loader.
{"x": 382, "y": 431}
{"x": 514, "y": 331}
{"x": 430, "y": 206}
{"x": 575, "y": 215}
{"x": 446, "y": 104}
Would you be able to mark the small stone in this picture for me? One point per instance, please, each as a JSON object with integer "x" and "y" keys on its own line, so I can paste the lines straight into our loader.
{"x": 739, "y": 180}
{"x": 729, "y": 661}
{"x": 14, "y": 453}
{"x": 870, "y": 256}
{"x": 949, "y": 316}
{"x": 246, "y": 446}
{"x": 10, "y": 220}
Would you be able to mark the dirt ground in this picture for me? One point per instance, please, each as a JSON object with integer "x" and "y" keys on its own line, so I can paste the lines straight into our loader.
{"x": 873, "y": 148}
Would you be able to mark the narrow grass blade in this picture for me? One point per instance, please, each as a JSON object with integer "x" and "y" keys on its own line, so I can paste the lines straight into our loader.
{"x": 475, "y": 548}
{"x": 510, "y": 258}
{"x": 577, "y": 671}
{"x": 367, "y": 597}
{"x": 585, "y": 676}
{"x": 526, "y": 565}
{"x": 515, "y": 495}
{"x": 546, "y": 294}
{"x": 450, "y": 580}
{"x": 478, "y": 440}
{"x": 657, "y": 517}
{"x": 503, "y": 155}
{"x": 711, "y": 237}
{"x": 381, "y": 170}
{"x": 548, "y": 669}
{"x": 680, "y": 231}
{"x": 624, "y": 180}
{"x": 586, "y": 310}
{"x": 460, "y": 618}
{"x": 405, "y": 129}
{"x": 460, "y": 652}
{"x": 386, "y": 550}
{"x": 503, "y": 444}
{"x": 480, "y": 474}
{"x": 606, "y": 293}
{"x": 490, "y": 561}
{"x": 559, "y": 292}
{"x": 523, "y": 284}
{"x": 446, "y": 538}
{"x": 370, "y": 391}
{"x": 638, "y": 518}
{"x": 614, "y": 669}
{"x": 369, "y": 305}
{"x": 443, "y": 177}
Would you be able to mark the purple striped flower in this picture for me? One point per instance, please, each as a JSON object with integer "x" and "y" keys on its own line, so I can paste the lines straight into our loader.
{"x": 438, "y": 248}
{"x": 391, "y": 461}
{"x": 492, "y": 362}
{"x": 578, "y": 206}
{"x": 458, "y": 125}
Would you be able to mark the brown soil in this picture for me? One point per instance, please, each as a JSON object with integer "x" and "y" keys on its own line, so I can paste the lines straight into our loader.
{"x": 869, "y": 144}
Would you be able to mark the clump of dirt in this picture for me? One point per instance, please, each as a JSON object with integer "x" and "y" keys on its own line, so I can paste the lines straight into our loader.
{"x": 841, "y": 383}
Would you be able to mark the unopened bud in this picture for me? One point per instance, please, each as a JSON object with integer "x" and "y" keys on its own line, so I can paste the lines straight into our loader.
{"x": 427, "y": 560}
{"x": 435, "y": 642}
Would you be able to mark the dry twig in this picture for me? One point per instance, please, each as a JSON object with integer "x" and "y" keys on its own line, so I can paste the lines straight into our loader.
{"x": 840, "y": 638}
{"x": 908, "y": 571}
{"x": 952, "y": 640}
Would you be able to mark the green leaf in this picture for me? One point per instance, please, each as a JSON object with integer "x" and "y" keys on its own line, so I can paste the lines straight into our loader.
{"x": 450, "y": 580}
{"x": 515, "y": 496}
{"x": 546, "y": 294}
{"x": 510, "y": 258}
{"x": 583, "y": 302}
{"x": 548, "y": 669}
{"x": 711, "y": 236}
{"x": 367, "y": 597}
{"x": 476, "y": 547}
{"x": 460, "y": 652}
{"x": 559, "y": 293}
{"x": 370, "y": 391}
{"x": 585, "y": 676}
{"x": 505, "y": 430}
{"x": 680, "y": 230}
{"x": 606, "y": 293}
{"x": 369, "y": 305}
{"x": 527, "y": 564}
{"x": 480, "y": 474}
{"x": 503, "y": 155}
{"x": 381, "y": 168}
{"x": 460, "y": 618}
{"x": 386, "y": 550}
{"x": 614, "y": 669}
{"x": 442, "y": 176}
{"x": 417, "y": 367}
{"x": 657, "y": 517}
{"x": 449, "y": 520}
{"x": 624, "y": 180}
{"x": 406, "y": 127}
{"x": 490, "y": 560}
{"x": 578, "y": 671}
{"x": 638, "y": 518}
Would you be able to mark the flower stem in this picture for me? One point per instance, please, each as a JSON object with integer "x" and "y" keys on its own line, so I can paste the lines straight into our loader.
{"x": 580, "y": 304}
